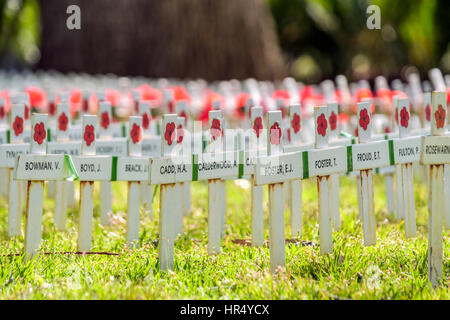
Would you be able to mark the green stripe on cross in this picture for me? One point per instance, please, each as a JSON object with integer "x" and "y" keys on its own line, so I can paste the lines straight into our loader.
{"x": 114, "y": 168}
{"x": 349, "y": 159}
{"x": 391, "y": 152}
{"x": 194, "y": 167}
{"x": 241, "y": 164}
{"x": 305, "y": 165}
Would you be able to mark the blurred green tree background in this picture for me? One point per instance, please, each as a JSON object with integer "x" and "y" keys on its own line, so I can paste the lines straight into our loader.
{"x": 322, "y": 38}
{"x": 318, "y": 38}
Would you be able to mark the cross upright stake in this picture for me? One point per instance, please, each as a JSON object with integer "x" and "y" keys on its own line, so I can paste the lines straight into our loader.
{"x": 183, "y": 112}
{"x": 323, "y": 183}
{"x": 63, "y": 121}
{"x": 257, "y": 134}
{"x": 365, "y": 178}
{"x": 17, "y": 129}
{"x": 167, "y": 197}
{"x": 35, "y": 189}
{"x": 105, "y": 119}
{"x": 333, "y": 121}
{"x": 405, "y": 171}
{"x": 435, "y": 153}
{"x": 295, "y": 199}
{"x": 90, "y": 168}
{"x": 215, "y": 192}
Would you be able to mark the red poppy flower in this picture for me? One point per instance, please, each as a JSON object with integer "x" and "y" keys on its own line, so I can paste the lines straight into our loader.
{"x": 63, "y": 120}
{"x": 216, "y": 131}
{"x": 105, "y": 120}
{"x": 258, "y": 126}
{"x": 322, "y": 125}
{"x": 89, "y": 135}
{"x": 333, "y": 121}
{"x": 37, "y": 97}
{"x": 387, "y": 129}
{"x": 27, "y": 112}
{"x": 18, "y": 125}
{"x": 85, "y": 105}
{"x": 135, "y": 133}
{"x": 428, "y": 112}
{"x": 404, "y": 115}
{"x": 275, "y": 134}
{"x": 39, "y": 132}
{"x": 295, "y": 122}
{"x": 2, "y": 112}
{"x": 145, "y": 121}
{"x": 364, "y": 119}
{"x": 52, "y": 108}
{"x": 241, "y": 102}
{"x": 439, "y": 115}
{"x": 170, "y": 133}
{"x": 180, "y": 133}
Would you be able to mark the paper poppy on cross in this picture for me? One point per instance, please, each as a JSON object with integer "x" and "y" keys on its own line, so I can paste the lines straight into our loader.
{"x": 63, "y": 120}
{"x": 258, "y": 126}
{"x": 439, "y": 115}
{"x": 364, "y": 119}
{"x": 295, "y": 123}
{"x": 333, "y": 120}
{"x": 89, "y": 135}
{"x": 180, "y": 133}
{"x": 145, "y": 121}
{"x": 27, "y": 112}
{"x": 39, "y": 132}
{"x": 404, "y": 117}
{"x": 428, "y": 112}
{"x": 18, "y": 125}
{"x": 216, "y": 130}
{"x": 105, "y": 121}
{"x": 275, "y": 134}
{"x": 135, "y": 133}
{"x": 170, "y": 133}
{"x": 322, "y": 125}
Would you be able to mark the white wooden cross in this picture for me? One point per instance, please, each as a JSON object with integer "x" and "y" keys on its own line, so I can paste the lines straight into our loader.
{"x": 257, "y": 135}
{"x": 133, "y": 169}
{"x": 273, "y": 170}
{"x": 36, "y": 168}
{"x": 295, "y": 198}
{"x": 406, "y": 151}
{"x": 436, "y": 153}
{"x": 105, "y": 119}
{"x": 323, "y": 162}
{"x": 8, "y": 154}
{"x": 166, "y": 171}
{"x": 333, "y": 122}
{"x": 63, "y": 145}
{"x": 90, "y": 167}
{"x": 215, "y": 183}
{"x": 151, "y": 147}
{"x": 365, "y": 156}
{"x": 4, "y": 173}
{"x": 181, "y": 108}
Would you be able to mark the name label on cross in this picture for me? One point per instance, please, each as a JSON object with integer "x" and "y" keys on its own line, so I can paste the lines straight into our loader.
{"x": 407, "y": 150}
{"x": 93, "y": 168}
{"x": 34, "y": 167}
{"x": 327, "y": 161}
{"x": 435, "y": 150}
{"x": 370, "y": 155}
{"x": 72, "y": 148}
{"x": 170, "y": 170}
{"x": 8, "y": 153}
{"x": 279, "y": 168}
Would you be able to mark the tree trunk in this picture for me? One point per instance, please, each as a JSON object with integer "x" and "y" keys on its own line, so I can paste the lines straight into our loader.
{"x": 210, "y": 39}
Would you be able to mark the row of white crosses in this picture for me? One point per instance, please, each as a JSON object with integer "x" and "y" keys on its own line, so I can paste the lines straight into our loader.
{"x": 281, "y": 168}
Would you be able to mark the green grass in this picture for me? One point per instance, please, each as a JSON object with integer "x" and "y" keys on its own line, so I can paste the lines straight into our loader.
{"x": 395, "y": 268}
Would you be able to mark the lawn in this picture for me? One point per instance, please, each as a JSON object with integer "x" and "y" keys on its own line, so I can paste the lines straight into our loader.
{"x": 395, "y": 268}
